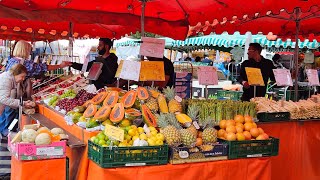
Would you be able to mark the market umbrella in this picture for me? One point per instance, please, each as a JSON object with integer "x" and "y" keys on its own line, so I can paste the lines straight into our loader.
{"x": 299, "y": 23}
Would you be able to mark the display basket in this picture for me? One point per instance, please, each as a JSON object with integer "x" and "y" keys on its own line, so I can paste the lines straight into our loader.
{"x": 233, "y": 95}
{"x": 253, "y": 148}
{"x": 274, "y": 116}
{"x": 109, "y": 157}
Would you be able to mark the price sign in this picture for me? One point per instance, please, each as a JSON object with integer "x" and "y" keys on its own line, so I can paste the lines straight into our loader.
{"x": 119, "y": 69}
{"x": 130, "y": 70}
{"x": 152, "y": 71}
{"x": 114, "y": 132}
{"x": 313, "y": 77}
{"x": 207, "y": 75}
{"x": 283, "y": 77}
{"x": 152, "y": 47}
{"x": 254, "y": 76}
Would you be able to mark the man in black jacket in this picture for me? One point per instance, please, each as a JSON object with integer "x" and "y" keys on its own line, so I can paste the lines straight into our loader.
{"x": 255, "y": 61}
{"x": 109, "y": 60}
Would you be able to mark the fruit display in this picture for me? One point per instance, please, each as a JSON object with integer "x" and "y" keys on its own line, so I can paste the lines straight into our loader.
{"x": 39, "y": 136}
{"x": 303, "y": 109}
{"x": 240, "y": 128}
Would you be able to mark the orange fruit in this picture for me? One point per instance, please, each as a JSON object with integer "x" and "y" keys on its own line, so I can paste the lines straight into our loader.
{"x": 221, "y": 133}
{"x": 223, "y": 124}
{"x": 230, "y": 123}
{"x": 231, "y": 129}
{"x": 254, "y": 125}
{"x": 199, "y": 142}
{"x": 240, "y": 125}
{"x": 239, "y": 118}
{"x": 239, "y": 129}
{"x": 248, "y": 118}
{"x": 199, "y": 134}
{"x": 254, "y": 132}
{"x": 261, "y": 130}
{"x": 240, "y": 137}
{"x": 231, "y": 136}
{"x": 261, "y": 137}
{"x": 266, "y": 136}
{"x": 225, "y": 135}
{"x": 248, "y": 126}
{"x": 247, "y": 135}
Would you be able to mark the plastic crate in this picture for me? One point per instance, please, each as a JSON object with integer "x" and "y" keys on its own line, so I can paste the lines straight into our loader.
{"x": 233, "y": 95}
{"x": 253, "y": 148}
{"x": 271, "y": 117}
{"x": 109, "y": 157}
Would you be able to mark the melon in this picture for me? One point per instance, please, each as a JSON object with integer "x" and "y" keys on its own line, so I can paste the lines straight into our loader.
{"x": 90, "y": 111}
{"x": 97, "y": 99}
{"x": 143, "y": 93}
{"x": 103, "y": 113}
{"x": 57, "y": 131}
{"x": 148, "y": 117}
{"x": 29, "y": 135}
{"x": 42, "y": 129}
{"x": 43, "y": 139}
{"x": 112, "y": 99}
{"x": 117, "y": 113}
{"x": 129, "y": 99}
{"x": 132, "y": 114}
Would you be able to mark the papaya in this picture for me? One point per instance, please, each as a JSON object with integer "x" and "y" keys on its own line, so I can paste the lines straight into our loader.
{"x": 111, "y": 99}
{"x": 132, "y": 114}
{"x": 117, "y": 113}
{"x": 90, "y": 111}
{"x": 148, "y": 117}
{"x": 129, "y": 98}
{"x": 103, "y": 113}
{"x": 87, "y": 103}
{"x": 143, "y": 93}
{"x": 97, "y": 99}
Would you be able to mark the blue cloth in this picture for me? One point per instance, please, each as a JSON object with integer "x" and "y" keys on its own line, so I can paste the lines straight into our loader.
{"x": 34, "y": 69}
{"x": 6, "y": 118}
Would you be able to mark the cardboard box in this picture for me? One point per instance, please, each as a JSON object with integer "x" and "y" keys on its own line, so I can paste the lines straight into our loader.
{"x": 30, "y": 151}
{"x": 180, "y": 155}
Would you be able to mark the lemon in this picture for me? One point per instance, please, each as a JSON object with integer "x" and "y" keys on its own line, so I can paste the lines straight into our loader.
{"x": 127, "y": 137}
{"x": 93, "y": 138}
{"x": 151, "y": 142}
{"x": 154, "y": 133}
{"x": 153, "y": 138}
{"x": 125, "y": 123}
{"x": 134, "y": 127}
{"x": 132, "y": 132}
{"x": 140, "y": 130}
{"x": 159, "y": 142}
{"x": 134, "y": 138}
{"x": 130, "y": 143}
{"x": 122, "y": 145}
{"x": 160, "y": 136}
{"x": 143, "y": 136}
{"x": 102, "y": 142}
{"x": 151, "y": 128}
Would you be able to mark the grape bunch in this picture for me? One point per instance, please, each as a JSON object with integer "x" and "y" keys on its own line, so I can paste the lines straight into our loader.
{"x": 53, "y": 101}
{"x": 69, "y": 93}
{"x": 80, "y": 99}
{"x": 84, "y": 96}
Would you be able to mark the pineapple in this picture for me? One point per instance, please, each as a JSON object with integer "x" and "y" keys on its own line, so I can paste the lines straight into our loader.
{"x": 154, "y": 92}
{"x": 193, "y": 113}
{"x": 162, "y": 104}
{"x": 170, "y": 132}
{"x": 209, "y": 134}
{"x": 152, "y": 104}
{"x": 174, "y": 105}
{"x": 193, "y": 130}
{"x": 188, "y": 138}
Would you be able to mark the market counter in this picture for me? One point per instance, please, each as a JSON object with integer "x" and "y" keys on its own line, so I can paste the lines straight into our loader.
{"x": 240, "y": 169}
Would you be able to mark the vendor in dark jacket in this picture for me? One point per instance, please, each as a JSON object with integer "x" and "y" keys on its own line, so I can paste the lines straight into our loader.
{"x": 255, "y": 61}
{"x": 110, "y": 64}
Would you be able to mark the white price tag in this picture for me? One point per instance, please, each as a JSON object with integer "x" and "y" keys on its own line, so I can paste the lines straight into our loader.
{"x": 196, "y": 125}
{"x": 178, "y": 98}
{"x": 183, "y": 154}
{"x": 50, "y": 151}
{"x": 255, "y": 155}
{"x": 135, "y": 164}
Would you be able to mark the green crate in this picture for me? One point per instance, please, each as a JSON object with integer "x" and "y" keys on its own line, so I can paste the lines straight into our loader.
{"x": 233, "y": 95}
{"x": 271, "y": 117}
{"x": 253, "y": 148}
{"x": 109, "y": 157}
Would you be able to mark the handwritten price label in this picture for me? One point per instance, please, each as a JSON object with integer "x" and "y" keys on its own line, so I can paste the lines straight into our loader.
{"x": 152, "y": 47}
{"x": 114, "y": 132}
{"x": 283, "y": 77}
{"x": 152, "y": 71}
{"x": 254, "y": 76}
{"x": 207, "y": 75}
{"x": 313, "y": 77}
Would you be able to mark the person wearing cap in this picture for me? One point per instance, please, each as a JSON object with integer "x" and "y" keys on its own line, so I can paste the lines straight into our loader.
{"x": 255, "y": 61}
{"x": 109, "y": 60}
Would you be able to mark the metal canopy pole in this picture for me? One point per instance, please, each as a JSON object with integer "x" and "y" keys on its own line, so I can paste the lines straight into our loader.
{"x": 296, "y": 53}
{"x": 143, "y": 7}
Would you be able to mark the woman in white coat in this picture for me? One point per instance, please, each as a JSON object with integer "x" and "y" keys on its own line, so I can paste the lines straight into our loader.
{"x": 8, "y": 88}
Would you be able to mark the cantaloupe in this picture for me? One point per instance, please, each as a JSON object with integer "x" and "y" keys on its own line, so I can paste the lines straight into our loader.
{"x": 103, "y": 113}
{"x": 43, "y": 139}
{"x": 29, "y": 135}
{"x": 117, "y": 113}
{"x": 111, "y": 99}
{"x": 129, "y": 98}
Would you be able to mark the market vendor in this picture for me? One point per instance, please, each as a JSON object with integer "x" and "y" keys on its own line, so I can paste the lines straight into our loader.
{"x": 110, "y": 64}
{"x": 168, "y": 71}
{"x": 255, "y": 61}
